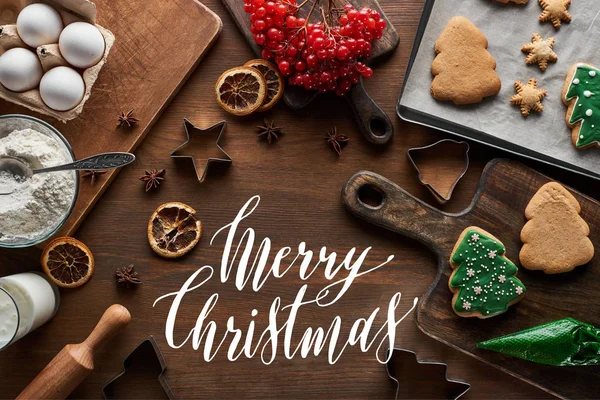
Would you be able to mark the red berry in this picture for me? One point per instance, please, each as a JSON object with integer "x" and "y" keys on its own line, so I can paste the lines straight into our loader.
{"x": 260, "y": 12}
{"x": 364, "y": 14}
{"x": 319, "y": 43}
{"x": 367, "y": 49}
{"x": 273, "y": 33}
{"x": 311, "y": 60}
{"x": 322, "y": 54}
{"x": 300, "y": 66}
{"x": 366, "y": 72}
{"x": 291, "y": 51}
{"x": 281, "y": 9}
{"x": 248, "y": 8}
{"x": 258, "y": 3}
{"x": 370, "y": 23}
{"x": 351, "y": 44}
{"x": 284, "y": 67}
{"x": 266, "y": 54}
{"x": 291, "y": 21}
{"x": 343, "y": 19}
{"x": 270, "y": 7}
{"x": 352, "y": 15}
{"x": 381, "y": 24}
{"x": 342, "y": 53}
{"x": 346, "y": 30}
{"x": 260, "y": 25}
{"x": 278, "y": 20}
{"x": 260, "y": 39}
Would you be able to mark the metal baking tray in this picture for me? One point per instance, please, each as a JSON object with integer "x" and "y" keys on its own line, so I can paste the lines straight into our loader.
{"x": 422, "y": 118}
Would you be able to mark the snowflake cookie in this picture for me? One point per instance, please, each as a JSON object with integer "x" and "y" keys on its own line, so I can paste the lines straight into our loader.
{"x": 528, "y": 97}
{"x": 555, "y": 11}
{"x": 539, "y": 51}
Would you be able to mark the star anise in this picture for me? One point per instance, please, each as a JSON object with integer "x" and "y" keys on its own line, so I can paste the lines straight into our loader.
{"x": 336, "y": 140}
{"x": 269, "y": 131}
{"x": 127, "y": 120}
{"x": 127, "y": 276}
{"x": 92, "y": 175}
{"x": 153, "y": 178}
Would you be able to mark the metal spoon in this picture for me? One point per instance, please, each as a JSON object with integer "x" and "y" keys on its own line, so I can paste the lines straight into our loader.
{"x": 22, "y": 171}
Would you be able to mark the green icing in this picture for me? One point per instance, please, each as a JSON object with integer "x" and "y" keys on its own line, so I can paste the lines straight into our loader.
{"x": 485, "y": 278}
{"x": 585, "y": 86}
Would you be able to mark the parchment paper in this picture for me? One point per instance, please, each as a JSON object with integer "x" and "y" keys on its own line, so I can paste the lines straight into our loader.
{"x": 507, "y": 27}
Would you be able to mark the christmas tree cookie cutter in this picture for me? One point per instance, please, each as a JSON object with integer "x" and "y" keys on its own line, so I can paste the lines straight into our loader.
{"x": 430, "y": 370}
{"x": 202, "y": 164}
{"x": 441, "y": 190}
{"x": 148, "y": 354}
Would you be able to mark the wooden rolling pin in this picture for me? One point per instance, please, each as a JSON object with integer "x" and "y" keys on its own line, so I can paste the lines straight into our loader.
{"x": 76, "y": 361}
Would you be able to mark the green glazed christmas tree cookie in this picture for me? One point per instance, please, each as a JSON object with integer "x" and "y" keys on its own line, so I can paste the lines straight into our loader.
{"x": 484, "y": 281}
{"x": 581, "y": 93}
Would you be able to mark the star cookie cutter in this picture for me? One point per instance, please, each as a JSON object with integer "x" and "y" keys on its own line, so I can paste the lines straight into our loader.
{"x": 201, "y": 165}
{"x": 150, "y": 355}
{"x": 436, "y": 370}
{"x": 441, "y": 194}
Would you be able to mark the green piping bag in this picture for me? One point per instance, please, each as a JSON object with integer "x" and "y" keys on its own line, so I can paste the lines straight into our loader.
{"x": 566, "y": 342}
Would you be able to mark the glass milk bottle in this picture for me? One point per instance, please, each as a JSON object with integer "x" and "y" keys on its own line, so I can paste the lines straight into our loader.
{"x": 27, "y": 301}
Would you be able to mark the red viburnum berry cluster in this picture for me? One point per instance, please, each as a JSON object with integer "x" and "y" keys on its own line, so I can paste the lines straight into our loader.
{"x": 321, "y": 56}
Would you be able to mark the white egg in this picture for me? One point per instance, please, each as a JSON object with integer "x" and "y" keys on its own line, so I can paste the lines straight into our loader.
{"x": 20, "y": 70}
{"x": 81, "y": 44}
{"x": 62, "y": 88}
{"x": 39, "y": 24}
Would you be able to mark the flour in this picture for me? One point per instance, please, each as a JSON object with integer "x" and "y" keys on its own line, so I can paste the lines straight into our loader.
{"x": 40, "y": 203}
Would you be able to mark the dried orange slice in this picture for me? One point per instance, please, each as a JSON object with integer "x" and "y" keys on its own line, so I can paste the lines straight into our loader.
{"x": 241, "y": 90}
{"x": 68, "y": 262}
{"x": 274, "y": 81}
{"x": 173, "y": 229}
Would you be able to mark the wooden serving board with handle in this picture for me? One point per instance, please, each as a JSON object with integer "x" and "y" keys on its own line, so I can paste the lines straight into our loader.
{"x": 373, "y": 123}
{"x": 158, "y": 45}
{"x": 499, "y": 208}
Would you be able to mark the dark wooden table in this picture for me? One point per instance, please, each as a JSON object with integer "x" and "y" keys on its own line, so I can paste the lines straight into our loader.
{"x": 299, "y": 179}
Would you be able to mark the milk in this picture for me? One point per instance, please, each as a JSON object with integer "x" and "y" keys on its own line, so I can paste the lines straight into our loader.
{"x": 27, "y": 301}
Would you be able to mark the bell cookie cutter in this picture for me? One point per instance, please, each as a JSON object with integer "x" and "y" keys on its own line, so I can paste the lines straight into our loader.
{"x": 191, "y": 130}
{"x": 442, "y": 195}
{"x": 148, "y": 346}
{"x": 436, "y": 371}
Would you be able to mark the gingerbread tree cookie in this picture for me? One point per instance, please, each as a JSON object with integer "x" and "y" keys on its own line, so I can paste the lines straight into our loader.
{"x": 555, "y": 239}
{"x": 555, "y": 11}
{"x": 528, "y": 97}
{"x": 464, "y": 71}
{"x": 540, "y": 51}
{"x": 484, "y": 281}
{"x": 581, "y": 93}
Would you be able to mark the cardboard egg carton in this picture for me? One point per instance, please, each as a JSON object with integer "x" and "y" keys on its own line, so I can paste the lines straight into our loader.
{"x": 49, "y": 55}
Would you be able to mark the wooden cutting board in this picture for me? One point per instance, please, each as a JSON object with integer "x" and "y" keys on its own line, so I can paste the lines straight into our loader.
{"x": 373, "y": 123}
{"x": 158, "y": 45}
{"x": 498, "y": 207}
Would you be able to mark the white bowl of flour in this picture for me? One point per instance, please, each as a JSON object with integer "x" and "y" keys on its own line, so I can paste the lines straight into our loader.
{"x": 38, "y": 207}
